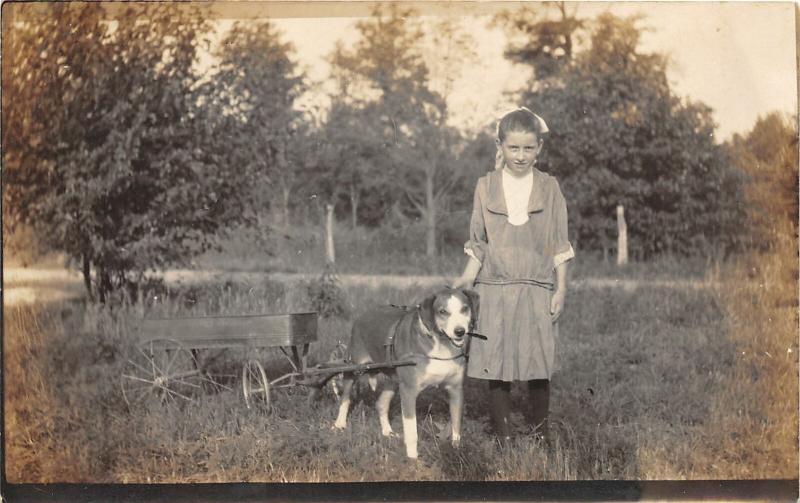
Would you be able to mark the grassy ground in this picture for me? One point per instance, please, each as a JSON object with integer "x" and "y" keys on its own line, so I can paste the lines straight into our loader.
{"x": 653, "y": 384}
{"x": 400, "y": 251}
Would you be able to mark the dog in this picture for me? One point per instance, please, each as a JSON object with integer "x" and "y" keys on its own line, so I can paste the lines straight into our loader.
{"x": 434, "y": 335}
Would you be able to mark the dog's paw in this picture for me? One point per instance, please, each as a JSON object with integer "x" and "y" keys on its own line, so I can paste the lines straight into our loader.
{"x": 456, "y": 442}
{"x": 338, "y": 425}
{"x": 389, "y": 433}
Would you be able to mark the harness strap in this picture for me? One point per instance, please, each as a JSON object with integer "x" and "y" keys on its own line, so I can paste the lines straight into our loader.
{"x": 404, "y": 308}
{"x": 389, "y": 342}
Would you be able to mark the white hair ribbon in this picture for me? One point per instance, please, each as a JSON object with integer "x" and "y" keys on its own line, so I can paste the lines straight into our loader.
{"x": 542, "y": 123}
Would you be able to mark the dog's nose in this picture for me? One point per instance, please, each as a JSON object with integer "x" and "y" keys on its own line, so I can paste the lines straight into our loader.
{"x": 460, "y": 331}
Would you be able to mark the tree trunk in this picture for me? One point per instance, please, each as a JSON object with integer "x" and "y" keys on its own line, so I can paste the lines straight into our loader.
{"x": 430, "y": 215}
{"x": 87, "y": 276}
{"x": 285, "y": 177}
{"x": 286, "y": 193}
{"x": 103, "y": 283}
{"x": 622, "y": 237}
{"x": 330, "y": 252}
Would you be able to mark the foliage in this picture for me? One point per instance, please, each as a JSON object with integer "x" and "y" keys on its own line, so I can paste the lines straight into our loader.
{"x": 258, "y": 84}
{"x": 768, "y": 156}
{"x": 327, "y": 297}
{"x": 403, "y": 142}
{"x": 111, "y": 147}
{"x": 22, "y": 247}
{"x": 350, "y": 169}
{"x": 619, "y": 135}
{"x": 537, "y": 40}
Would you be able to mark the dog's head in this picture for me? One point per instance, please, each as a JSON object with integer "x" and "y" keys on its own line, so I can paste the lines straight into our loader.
{"x": 452, "y": 313}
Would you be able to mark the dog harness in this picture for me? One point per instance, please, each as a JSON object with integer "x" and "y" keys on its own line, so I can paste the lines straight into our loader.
{"x": 389, "y": 341}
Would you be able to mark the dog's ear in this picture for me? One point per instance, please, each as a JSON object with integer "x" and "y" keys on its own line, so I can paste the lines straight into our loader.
{"x": 475, "y": 305}
{"x": 426, "y": 313}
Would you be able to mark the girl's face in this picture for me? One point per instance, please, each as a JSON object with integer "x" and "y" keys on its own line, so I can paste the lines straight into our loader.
{"x": 520, "y": 150}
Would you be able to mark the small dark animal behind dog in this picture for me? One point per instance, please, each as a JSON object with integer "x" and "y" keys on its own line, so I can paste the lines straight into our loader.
{"x": 435, "y": 335}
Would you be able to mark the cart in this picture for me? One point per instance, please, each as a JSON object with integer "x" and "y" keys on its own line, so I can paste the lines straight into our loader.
{"x": 167, "y": 362}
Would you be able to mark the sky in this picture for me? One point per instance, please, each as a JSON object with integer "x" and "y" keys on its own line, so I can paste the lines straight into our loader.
{"x": 737, "y": 57}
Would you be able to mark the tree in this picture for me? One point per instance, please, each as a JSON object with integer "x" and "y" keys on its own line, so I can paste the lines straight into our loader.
{"x": 619, "y": 135}
{"x": 259, "y": 84}
{"x": 767, "y": 155}
{"x": 347, "y": 171}
{"x": 538, "y": 40}
{"x": 387, "y": 71}
{"x": 108, "y": 147}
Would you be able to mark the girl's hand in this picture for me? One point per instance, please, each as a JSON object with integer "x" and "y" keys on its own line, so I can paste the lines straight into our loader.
{"x": 557, "y": 303}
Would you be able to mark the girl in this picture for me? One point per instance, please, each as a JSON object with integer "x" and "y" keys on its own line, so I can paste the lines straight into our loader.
{"x": 518, "y": 250}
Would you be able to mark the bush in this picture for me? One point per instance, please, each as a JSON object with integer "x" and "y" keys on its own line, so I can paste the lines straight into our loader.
{"x": 327, "y": 297}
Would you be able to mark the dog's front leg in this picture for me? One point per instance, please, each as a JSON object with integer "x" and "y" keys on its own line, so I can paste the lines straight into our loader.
{"x": 456, "y": 393}
{"x": 344, "y": 406}
{"x": 408, "y": 404}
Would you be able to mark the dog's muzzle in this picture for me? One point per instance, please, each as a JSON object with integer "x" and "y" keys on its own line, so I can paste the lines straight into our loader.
{"x": 459, "y": 336}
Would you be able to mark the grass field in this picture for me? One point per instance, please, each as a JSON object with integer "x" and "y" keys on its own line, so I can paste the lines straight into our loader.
{"x": 654, "y": 383}
{"x": 395, "y": 251}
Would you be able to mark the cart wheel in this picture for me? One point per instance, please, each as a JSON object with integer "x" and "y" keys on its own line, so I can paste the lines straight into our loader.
{"x": 255, "y": 384}
{"x": 163, "y": 369}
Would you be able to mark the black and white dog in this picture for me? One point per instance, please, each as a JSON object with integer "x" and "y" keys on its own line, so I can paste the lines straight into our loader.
{"x": 435, "y": 335}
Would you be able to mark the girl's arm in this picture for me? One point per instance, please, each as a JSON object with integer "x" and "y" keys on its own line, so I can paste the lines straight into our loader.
{"x": 557, "y": 301}
{"x": 565, "y": 253}
{"x": 467, "y": 278}
{"x": 476, "y": 246}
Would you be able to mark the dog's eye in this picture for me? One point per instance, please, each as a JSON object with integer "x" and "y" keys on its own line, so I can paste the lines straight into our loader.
{"x": 442, "y": 311}
{"x": 464, "y": 309}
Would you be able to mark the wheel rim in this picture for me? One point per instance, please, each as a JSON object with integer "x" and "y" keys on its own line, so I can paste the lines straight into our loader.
{"x": 255, "y": 385}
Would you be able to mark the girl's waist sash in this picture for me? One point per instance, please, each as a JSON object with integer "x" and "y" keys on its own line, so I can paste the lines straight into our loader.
{"x": 516, "y": 281}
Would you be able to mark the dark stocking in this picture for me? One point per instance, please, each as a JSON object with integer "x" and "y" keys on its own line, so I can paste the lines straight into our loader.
{"x": 500, "y": 407}
{"x": 539, "y": 398}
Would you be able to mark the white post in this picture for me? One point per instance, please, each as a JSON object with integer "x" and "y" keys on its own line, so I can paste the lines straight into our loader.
{"x": 622, "y": 237}
{"x": 330, "y": 253}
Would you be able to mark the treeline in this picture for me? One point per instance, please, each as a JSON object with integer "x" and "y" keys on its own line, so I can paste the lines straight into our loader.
{"x": 122, "y": 149}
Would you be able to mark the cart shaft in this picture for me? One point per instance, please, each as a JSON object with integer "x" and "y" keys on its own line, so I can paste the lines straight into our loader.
{"x": 358, "y": 368}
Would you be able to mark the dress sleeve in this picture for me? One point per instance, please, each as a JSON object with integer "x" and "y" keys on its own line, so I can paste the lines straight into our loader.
{"x": 563, "y": 248}
{"x": 476, "y": 246}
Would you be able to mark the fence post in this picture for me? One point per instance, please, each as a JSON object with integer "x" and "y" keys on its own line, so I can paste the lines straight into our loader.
{"x": 330, "y": 252}
{"x": 622, "y": 237}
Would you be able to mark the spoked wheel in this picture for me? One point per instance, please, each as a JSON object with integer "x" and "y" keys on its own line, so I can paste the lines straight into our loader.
{"x": 165, "y": 370}
{"x": 255, "y": 385}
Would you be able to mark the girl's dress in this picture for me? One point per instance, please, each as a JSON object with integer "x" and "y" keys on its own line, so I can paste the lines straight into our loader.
{"x": 518, "y": 251}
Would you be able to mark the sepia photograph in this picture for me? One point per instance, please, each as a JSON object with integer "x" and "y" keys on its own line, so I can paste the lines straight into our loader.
{"x": 437, "y": 242}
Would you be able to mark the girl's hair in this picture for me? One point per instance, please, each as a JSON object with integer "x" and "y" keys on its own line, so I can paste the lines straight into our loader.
{"x": 523, "y": 120}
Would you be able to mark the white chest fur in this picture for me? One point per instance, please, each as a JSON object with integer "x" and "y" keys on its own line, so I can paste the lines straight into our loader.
{"x": 441, "y": 368}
